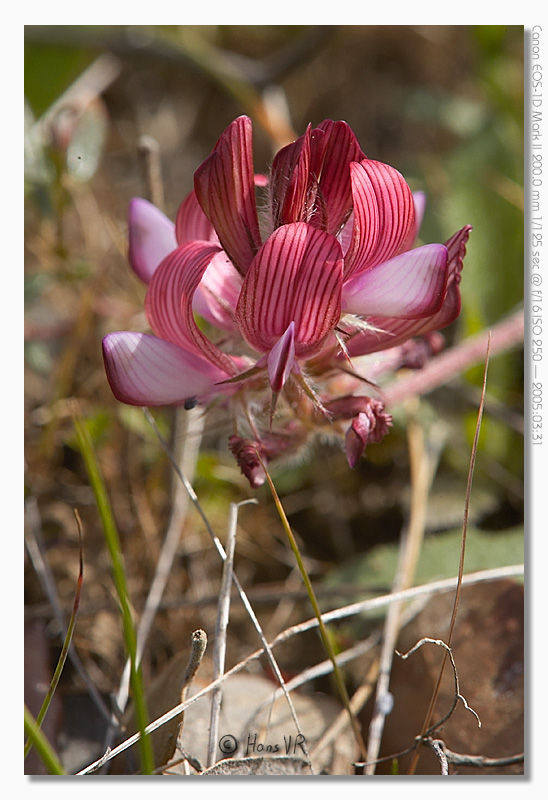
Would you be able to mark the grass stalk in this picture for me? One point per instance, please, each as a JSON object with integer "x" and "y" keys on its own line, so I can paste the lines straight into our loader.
{"x": 42, "y": 745}
{"x": 430, "y": 710}
{"x": 324, "y": 635}
{"x": 119, "y": 576}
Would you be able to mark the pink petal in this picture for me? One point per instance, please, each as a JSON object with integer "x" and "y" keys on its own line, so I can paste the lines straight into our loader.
{"x": 225, "y": 188}
{"x": 384, "y": 215}
{"x": 217, "y": 294}
{"x": 419, "y": 202}
{"x": 151, "y": 237}
{"x": 145, "y": 371}
{"x": 456, "y": 249}
{"x": 281, "y": 359}
{"x": 409, "y": 285}
{"x": 295, "y": 277}
{"x": 168, "y": 303}
{"x": 395, "y": 331}
{"x": 191, "y": 223}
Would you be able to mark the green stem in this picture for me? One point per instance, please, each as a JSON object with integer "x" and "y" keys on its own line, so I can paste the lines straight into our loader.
{"x": 115, "y": 551}
{"x": 322, "y": 628}
{"x": 42, "y": 746}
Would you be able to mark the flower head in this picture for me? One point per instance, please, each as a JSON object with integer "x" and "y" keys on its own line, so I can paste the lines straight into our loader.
{"x": 326, "y": 272}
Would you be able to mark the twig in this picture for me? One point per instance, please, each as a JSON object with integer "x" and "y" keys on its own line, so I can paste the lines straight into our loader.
{"x": 220, "y": 549}
{"x": 223, "y": 613}
{"x": 504, "y": 335}
{"x": 35, "y": 549}
{"x": 463, "y": 760}
{"x": 340, "y": 613}
{"x": 199, "y": 644}
{"x": 148, "y": 150}
{"x": 458, "y": 695}
{"x": 430, "y": 710}
{"x": 422, "y": 471}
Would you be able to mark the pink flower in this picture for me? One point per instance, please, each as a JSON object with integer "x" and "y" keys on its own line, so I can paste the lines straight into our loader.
{"x": 325, "y": 271}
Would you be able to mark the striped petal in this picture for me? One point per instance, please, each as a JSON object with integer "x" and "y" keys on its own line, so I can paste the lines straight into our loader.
{"x": 295, "y": 277}
{"x": 289, "y": 182}
{"x": 169, "y": 301}
{"x": 145, "y": 371}
{"x": 217, "y": 294}
{"x": 333, "y": 148}
{"x": 387, "y": 332}
{"x": 151, "y": 237}
{"x": 384, "y": 215}
{"x": 192, "y": 224}
{"x": 281, "y": 359}
{"x": 225, "y": 188}
{"x": 410, "y": 285}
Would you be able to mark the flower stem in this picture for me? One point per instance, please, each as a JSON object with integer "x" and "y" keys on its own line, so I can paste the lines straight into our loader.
{"x": 326, "y": 641}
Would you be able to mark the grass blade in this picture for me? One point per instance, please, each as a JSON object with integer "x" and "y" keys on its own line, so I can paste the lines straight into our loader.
{"x": 42, "y": 746}
{"x": 115, "y": 551}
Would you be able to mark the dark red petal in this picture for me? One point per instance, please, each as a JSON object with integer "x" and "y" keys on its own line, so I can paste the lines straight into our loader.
{"x": 333, "y": 148}
{"x": 295, "y": 277}
{"x": 225, "y": 188}
{"x": 290, "y": 176}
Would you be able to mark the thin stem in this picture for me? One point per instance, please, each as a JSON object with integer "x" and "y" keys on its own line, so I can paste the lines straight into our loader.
{"x": 410, "y": 546}
{"x": 514, "y": 571}
{"x": 119, "y": 576}
{"x": 220, "y": 549}
{"x": 322, "y": 628}
{"x": 219, "y": 649}
{"x": 42, "y": 745}
{"x": 430, "y": 711}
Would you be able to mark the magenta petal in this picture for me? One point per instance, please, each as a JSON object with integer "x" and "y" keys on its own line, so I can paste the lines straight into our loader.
{"x": 145, "y": 371}
{"x": 281, "y": 359}
{"x": 225, "y": 188}
{"x": 169, "y": 301}
{"x": 384, "y": 215}
{"x": 151, "y": 237}
{"x": 410, "y": 285}
{"x": 295, "y": 277}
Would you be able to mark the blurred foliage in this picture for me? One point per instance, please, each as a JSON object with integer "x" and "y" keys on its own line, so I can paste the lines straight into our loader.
{"x": 438, "y": 557}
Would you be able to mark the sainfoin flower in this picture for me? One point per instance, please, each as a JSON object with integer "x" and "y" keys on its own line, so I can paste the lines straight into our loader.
{"x": 265, "y": 302}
